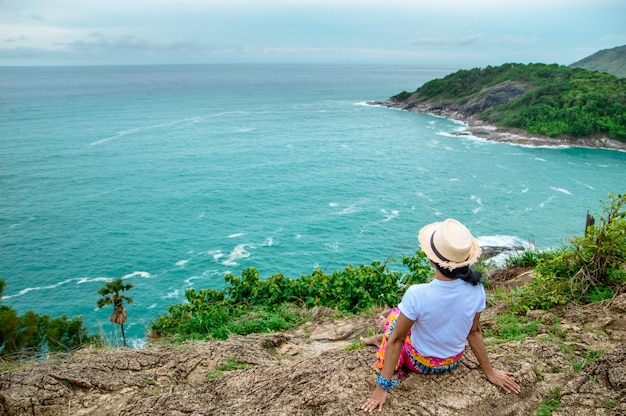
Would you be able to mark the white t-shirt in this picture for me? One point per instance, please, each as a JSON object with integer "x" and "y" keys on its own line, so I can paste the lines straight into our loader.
{"x": 443, "y": 312}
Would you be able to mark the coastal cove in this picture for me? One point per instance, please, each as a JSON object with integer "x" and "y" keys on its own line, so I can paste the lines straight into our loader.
{"x": 172, "y": 176}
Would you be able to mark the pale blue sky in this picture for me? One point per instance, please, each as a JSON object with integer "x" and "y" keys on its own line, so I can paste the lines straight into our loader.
{"x": 449, "y": 33}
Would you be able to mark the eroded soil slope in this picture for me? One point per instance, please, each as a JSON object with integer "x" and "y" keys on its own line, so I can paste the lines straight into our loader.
{"x": 310, "y": 371}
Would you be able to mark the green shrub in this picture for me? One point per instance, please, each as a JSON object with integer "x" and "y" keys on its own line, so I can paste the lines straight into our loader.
{"x": 33, "y": 335}
{"x": 527, "y": 258}
{"x": 590, "y": 270}
{"x": 249, "y": 304}
{"x": 601, "y": 252}
{"x": 551, "y": 403}
{"x": 510, "y": 327}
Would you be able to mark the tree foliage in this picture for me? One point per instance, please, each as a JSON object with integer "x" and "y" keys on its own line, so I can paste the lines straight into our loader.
{"x": 560, "y": 101}
{"x": 33, "y": 335}
{"x": 601, "y": 252}
{"x": 248, "y": 304}
{"x": 111, "y": 294}
{"x": 592, "y": 269}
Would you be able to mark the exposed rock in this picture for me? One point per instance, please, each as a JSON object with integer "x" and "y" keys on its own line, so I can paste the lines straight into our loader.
{"x": 502, "y": 93}
{"x": 492, "y": 251}
{"x": 309, "y": 371}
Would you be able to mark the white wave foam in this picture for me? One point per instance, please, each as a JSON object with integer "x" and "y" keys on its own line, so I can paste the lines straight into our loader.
{"x": 498, "y": 240}
{"x": 426, "y": 197}
{"x": 562, "y": 190}
{"x": 238, "y": 253}
{"x": 181, "y": 263}
{"x": 236, "y": 235}
{"x": 333, "y": 204}
{"x": 78, "y": 281}
{"x": 225, "y": 113}
{"x": 334, "y": 246}
{"x": 543, "y": 204}
{"x": 115, "y": 136}
{"x": 172, "y": 294}
{"x": 532, "y": 146}
{"x": 540, "y": 159}
{"x": 269, "y": 241}
{"x": 82, "y": 280}
{"x": 584, "y": 184}
{"x": 11, "y": 226}
{"x": 144, "y": 275}
{"x": 136, "y": 343}
{"x": 217, "y": 254}
{"x": 479, "y": 201}
{"x": 348, "y": 210}
{"x": 525, "y": 190}
{"x": 394, "y": 213}
{"x": 140, "y": 129}
{"x": 31, "y": 289}
{"x": 210, "y": 275}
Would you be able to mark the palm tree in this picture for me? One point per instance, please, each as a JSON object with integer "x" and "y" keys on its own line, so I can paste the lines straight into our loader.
{"x": 110, "y": 293}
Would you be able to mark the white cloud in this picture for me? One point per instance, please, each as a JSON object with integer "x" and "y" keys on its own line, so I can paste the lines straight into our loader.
{"x": 327, "y": 30}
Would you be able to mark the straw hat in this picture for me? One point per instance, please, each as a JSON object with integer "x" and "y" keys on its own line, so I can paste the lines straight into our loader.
{"x": 449, "y": 244}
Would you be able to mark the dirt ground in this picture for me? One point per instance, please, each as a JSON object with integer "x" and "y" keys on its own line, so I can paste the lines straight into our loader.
{"x": 320, "y": 369}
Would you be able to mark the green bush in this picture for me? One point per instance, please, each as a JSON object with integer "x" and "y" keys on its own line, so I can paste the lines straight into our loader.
{"x": 527, "y": 258}
{"x": 249, "y": 304}
{"x": 33, "y": 335}
{"x": 510, "y": 327}
{"x": 601, "y": 252}
{"x": 590, "y": 270}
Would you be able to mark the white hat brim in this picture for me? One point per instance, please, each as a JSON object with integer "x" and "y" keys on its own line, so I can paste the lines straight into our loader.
{"x": 424, "y": 237}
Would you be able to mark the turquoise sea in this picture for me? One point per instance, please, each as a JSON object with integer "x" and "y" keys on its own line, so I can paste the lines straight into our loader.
{"x": 172, "y": 176}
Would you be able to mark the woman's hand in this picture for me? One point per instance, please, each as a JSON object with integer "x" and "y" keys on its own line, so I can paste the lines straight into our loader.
{"x": 376, "y": 400}
{"x": 504, "y": 380}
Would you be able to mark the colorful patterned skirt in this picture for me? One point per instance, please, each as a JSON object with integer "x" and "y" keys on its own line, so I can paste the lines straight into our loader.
{"x": 410, "y": 358}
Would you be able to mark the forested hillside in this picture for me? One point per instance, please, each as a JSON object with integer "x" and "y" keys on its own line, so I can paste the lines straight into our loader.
{"x": 549, "y": 100}
{"x": 612, "y": 61}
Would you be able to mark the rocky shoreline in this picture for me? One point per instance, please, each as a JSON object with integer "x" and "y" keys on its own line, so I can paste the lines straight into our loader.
{"x": 481, "y": 129}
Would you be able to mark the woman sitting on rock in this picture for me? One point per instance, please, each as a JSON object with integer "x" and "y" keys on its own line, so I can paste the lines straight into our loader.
{"x": 426, "y": 333}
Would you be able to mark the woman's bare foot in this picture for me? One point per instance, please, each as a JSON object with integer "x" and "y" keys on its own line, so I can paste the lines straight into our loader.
{"x": 375, "y": 340}
{"x": 380, "y": 322}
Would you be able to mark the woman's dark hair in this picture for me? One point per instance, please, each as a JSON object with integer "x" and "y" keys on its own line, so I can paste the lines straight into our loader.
{"x": 468, "y": 274}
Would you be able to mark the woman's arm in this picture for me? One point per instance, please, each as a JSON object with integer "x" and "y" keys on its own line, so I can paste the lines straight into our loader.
{"x": 392, "y": 355}
{"x": 502, "y": 379}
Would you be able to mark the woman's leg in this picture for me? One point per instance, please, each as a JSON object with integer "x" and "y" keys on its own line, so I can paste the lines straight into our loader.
{"x": 390, "y": 323}
{"x": 376, "y": 339}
